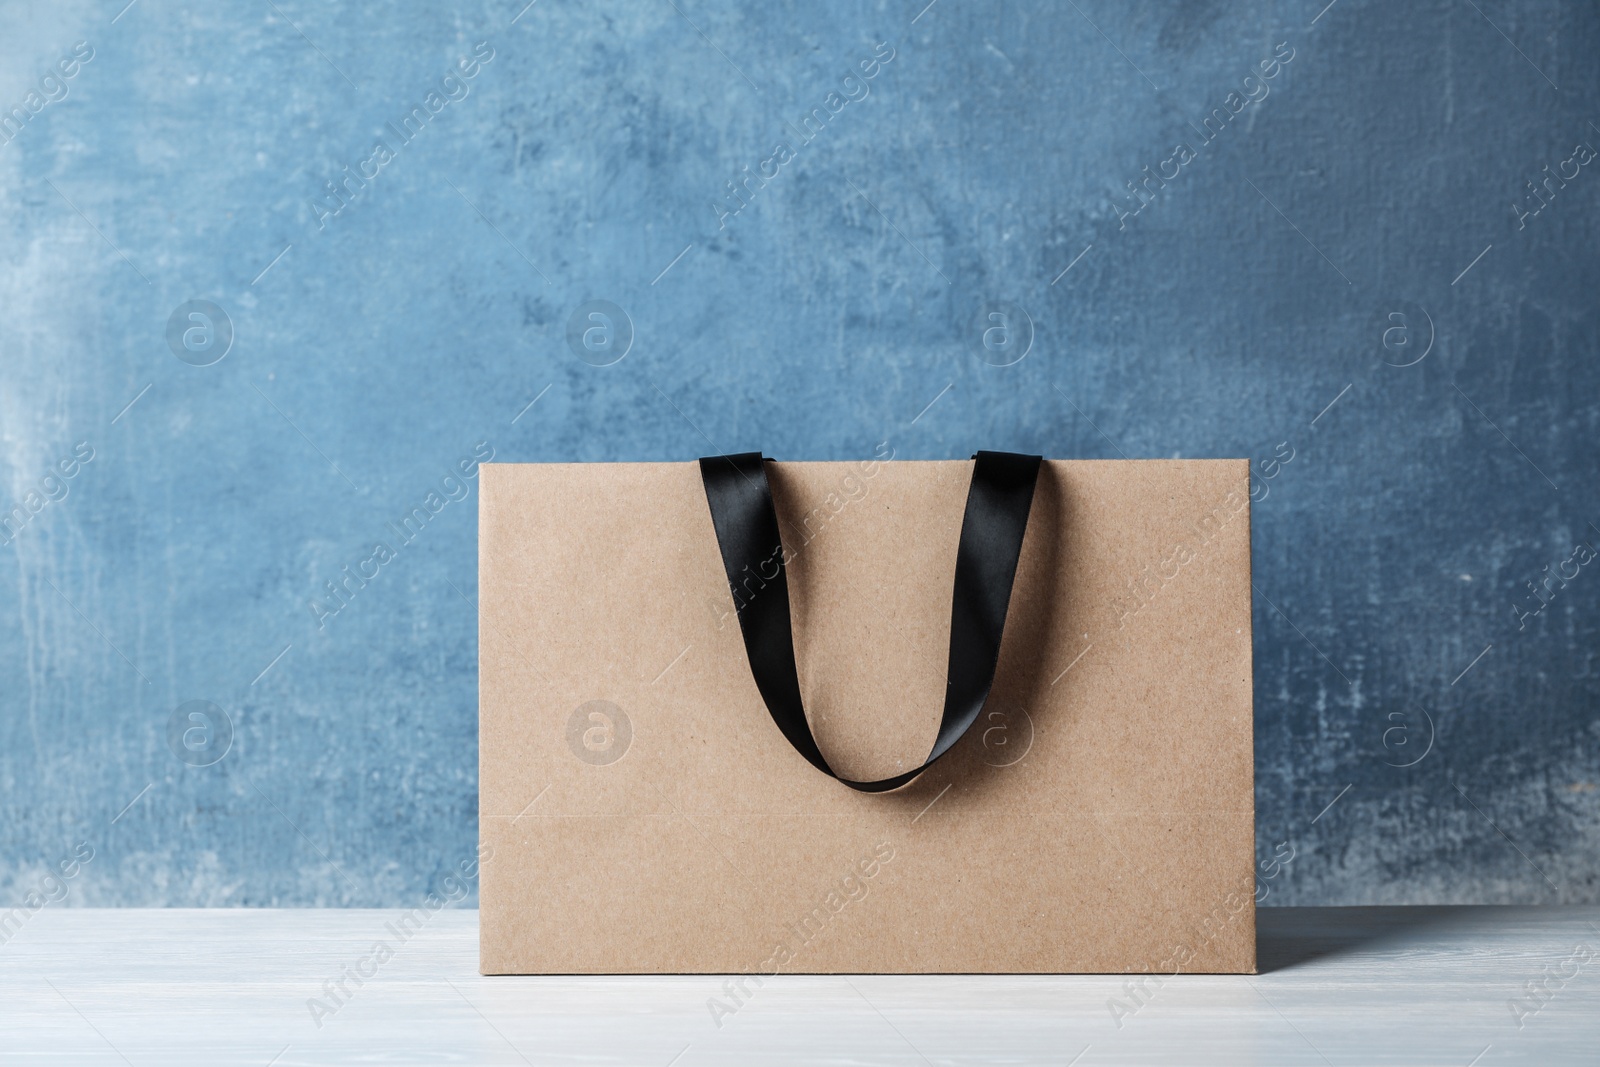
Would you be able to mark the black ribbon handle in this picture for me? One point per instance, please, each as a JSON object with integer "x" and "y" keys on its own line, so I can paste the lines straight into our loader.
{"x": 998, "y": 503}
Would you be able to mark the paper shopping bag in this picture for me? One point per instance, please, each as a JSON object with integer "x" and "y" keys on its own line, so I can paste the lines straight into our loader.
{"x": 866, "y": 717}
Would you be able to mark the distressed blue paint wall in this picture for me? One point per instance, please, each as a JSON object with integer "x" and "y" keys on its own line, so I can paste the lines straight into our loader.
{"x": 375, "y": 347}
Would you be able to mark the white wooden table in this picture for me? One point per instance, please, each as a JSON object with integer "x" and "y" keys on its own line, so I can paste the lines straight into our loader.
{"x": 1339, "y": 986}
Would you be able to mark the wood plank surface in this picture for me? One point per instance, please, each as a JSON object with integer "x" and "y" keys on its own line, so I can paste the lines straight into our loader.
{"x": 1426, "y": 985}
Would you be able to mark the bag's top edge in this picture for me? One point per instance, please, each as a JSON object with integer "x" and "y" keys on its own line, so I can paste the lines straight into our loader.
{"x": 862, "y": 459}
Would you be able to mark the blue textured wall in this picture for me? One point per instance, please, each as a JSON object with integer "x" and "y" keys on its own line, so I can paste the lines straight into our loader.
{"x": 1342, "y": 268}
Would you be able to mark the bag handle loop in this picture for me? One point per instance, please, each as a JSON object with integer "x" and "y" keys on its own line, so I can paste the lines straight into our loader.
{"x": 998, "y": 503}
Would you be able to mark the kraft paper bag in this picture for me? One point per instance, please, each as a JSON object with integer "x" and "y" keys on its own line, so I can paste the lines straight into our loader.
{"x": 646, "y": 813}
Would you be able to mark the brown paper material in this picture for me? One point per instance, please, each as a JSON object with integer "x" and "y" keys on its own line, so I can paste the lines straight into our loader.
{"x": 646, "y": 816}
